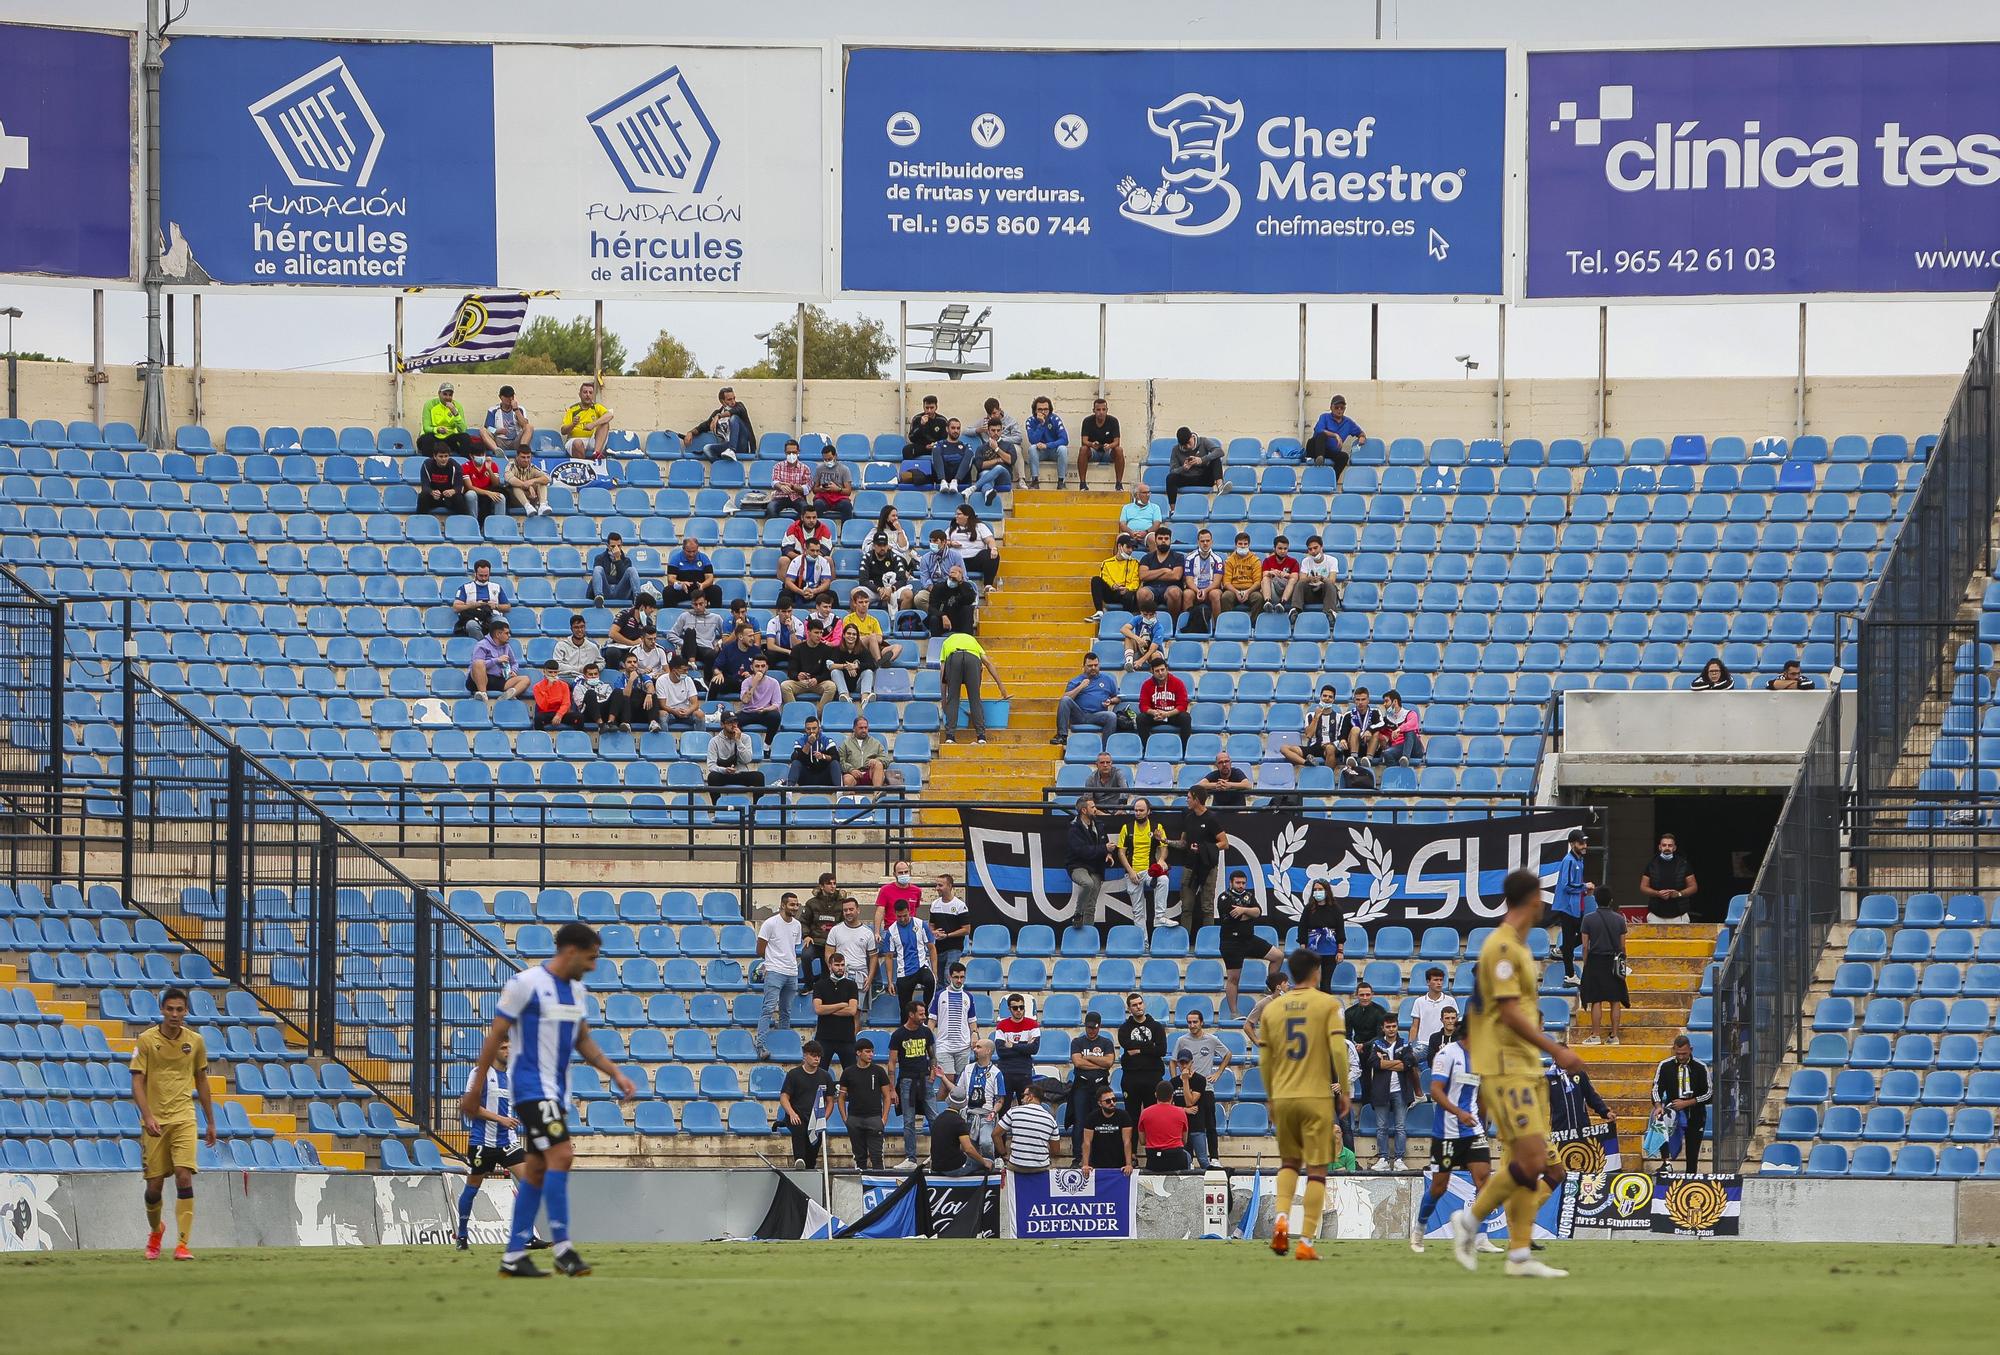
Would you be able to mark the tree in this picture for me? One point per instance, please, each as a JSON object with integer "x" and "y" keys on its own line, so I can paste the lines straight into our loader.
{"x": 565, "y": 346}
{"x": 668, "y": 357}
{"x": 1051, "y": 374}
{"x": 836, "y": 350}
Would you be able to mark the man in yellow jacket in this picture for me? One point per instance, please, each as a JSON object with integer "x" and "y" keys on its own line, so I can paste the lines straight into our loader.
{"x": 1243, "y": 578}
{"x": 444, "y": 422}
{"x": 1116, "y": 584}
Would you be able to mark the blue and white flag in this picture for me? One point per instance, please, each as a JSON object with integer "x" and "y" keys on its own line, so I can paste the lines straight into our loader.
{"x": 484, "y": 328}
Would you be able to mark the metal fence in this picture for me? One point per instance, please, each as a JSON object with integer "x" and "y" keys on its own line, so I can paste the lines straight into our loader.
{"x": 31, "y": 702}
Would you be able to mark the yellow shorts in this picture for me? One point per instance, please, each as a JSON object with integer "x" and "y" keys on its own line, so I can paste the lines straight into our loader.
{"x": 1305, "y": 1130}
{"x": 1517, "y": 1105}
{"x": 174, "y": 1148}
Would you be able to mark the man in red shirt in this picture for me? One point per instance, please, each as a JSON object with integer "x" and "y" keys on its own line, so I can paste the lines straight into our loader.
{"x": 1163, "y": 1128}
{"x": 1281, "y": 577}
{"x": 484, "y": 491}
{"x": 808, "y": 526}
{"x": 1163, "y": 700}
{"x": 897, "y": 898}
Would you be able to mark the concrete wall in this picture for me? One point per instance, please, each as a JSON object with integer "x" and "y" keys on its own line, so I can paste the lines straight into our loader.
{"x": 1682, "y": 738}
{"x": 1541, "y": 408}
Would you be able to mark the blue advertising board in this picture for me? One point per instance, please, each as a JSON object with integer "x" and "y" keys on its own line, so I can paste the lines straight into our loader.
{"x": 67, "y": 147}
{"x": 1174, "y": 172}
{"x": 1069, "y": 1204}
{"x": 1763, "y": 171}
{"x": 352, "y": 164}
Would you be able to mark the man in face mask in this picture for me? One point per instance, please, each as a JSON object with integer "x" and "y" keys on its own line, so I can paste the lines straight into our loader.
{"x": 1243, "y": 578}
{"x": 833, "y": 487}
{"x": 910, "y": 950}
{"x": 791, "y": 484}
{"x": 1117, "y": 582}
{"x": 1668, "y": 884}
{"x": 1317, "y": 743}
{"x": 1571, "y": 902}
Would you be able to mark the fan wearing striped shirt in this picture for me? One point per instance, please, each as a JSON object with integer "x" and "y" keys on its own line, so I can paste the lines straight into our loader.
{"x": 957, "y": 1026}
{"x": 1027, "y": 1136}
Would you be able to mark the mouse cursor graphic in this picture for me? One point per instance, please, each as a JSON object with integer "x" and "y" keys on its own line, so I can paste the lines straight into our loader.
{"x": 1439, "y": 246}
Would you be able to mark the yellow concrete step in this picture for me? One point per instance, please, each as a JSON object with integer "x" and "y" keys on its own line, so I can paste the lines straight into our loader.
{"x": 351, "y": 1162}
{"x": 277, "y": 1122}
{"x": 252, "y": 1103}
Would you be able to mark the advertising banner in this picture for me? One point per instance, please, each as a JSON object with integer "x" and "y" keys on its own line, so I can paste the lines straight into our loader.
{"x": 1763, "y": 171}
{"x": 1173, "y": 172}
{"x": 67, "y": 150}
{"x": 662, "y": 171}
{"x": 1553, "y": 1221}
{"x": 948, "y": 1206}
{"x": 333, "y": 164}
{"x": 1409, "y": 875}
{"x": 1697, "y": 1204}
{"x": 1069, "y": 1204}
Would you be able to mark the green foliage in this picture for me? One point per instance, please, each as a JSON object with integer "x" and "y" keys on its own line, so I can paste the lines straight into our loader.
{"x": 836, "y": 350}
{"x": 668, "y": 357}
{"x": 1051, "y": 374}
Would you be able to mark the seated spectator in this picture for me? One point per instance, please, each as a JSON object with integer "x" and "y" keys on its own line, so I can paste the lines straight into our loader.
{"x": 1009, "y": 426}
{"x": 762, "y": 700}
{"x": 1194, "y": 463}
{"x": 697, "y": 633}
{"x": 1162, "y": 572}
{"x": 677, "y": 697}
{"x": 576, "y": 649}
{"x": 781, "y": 633}
{"x": 485, "y": 484}
{"x": 807, "y": 528}
{"x": 551, "y": 697}
{"x": 1281, "y": 577}
{"x": 1319, "y": 741}
{"x": 1792, "y": 679}
{"x": 1397, "y": 738}
{"x": 996, "y": 466}
{"x": 1334, "y": 438}
{"x": 812, "y": 676}
{"x": 815, "y": 759}
{"x": 1106, "y": 784}
{"x": 444, "y": 426}
{"x": 976, "y": 543}
{"x": 1140, "y": 844}
{"x": 864, "y": 759}
{"x": 932, "y": 567}
{"x": 954, "y": 459}
{"x": 733, "y": 660}
{"x": 807, "y": 577}
{"x": 1117, "y": 583}
{"x": 791, "y": 484}
{"x": 612, "y": 577}
{"x": 726, "y": 433}
{"x": 732, "y": 758}
{"x": 853, "y": 667}
{"x": 651, "y": 656}
{"x": 690, "y": 574}
{"x": 1318, "y": 579}
{"x": 592, "y": 698}
{"x": 953, "y": 603}
{"x": 833, "y": 486}
{"x": 1097, "y": 442}
{"x": 1204, "y": 583}
{"x": 927, "y": 429}
{"x": 1354, "y": 733}
{"x": 1146, "y": 635}
{"x": 495, "y": 669}
{"x": 528, "y": 484}
{"x": 889, "y": 523}
{"x": 860, "y": 619}
{"x": 479, "y": 603}
{"x": 440, "y": 483}
{"x": 586, "y": 425}
{"x": 1163, "y": 1128}
{"x": 1227, "y": 786}
{"x": 508, "y": 431}
{"x": 1242, "y": 579}
{"x": 1090, "y": 699}
{"x": 1714, "y": 677}
{"x": 885, "y": 575}
{"x": 626, "y": 628}
{"x": 633, "y": 703}
{"x": 1137, "y": 519}
{"x": 822, "y": 612}
{"x": 1047, "y": 438}
{"x": 1163, "y": 700}
{"x": 739, "y": 616}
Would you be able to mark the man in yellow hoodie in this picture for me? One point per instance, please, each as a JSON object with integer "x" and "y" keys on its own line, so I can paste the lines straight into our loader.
{"x": 1243, "y": 578}
{"x": 1116, "y": 584}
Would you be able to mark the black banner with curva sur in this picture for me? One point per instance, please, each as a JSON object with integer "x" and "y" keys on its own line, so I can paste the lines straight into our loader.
{"x": 1406, "y": 875}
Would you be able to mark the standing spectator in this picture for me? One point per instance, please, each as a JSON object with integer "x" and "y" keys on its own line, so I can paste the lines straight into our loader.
{"x": 995, "y": 466}
{"x": 1194, "y": 463}
{"x": 836, "y": 1001}
{"x": 576, "y": 649}
{"x": 1572, "y": 900}
{"x": 1146, "y": 634}
{"x": 440, "y": 483}
{"x": 978, "y": 1093}
{"x": 954, "y": 459}
{"x": 677, "y": 696}
{"x": 956, "y": 1024}
{"x": 485, "y": 484}
{"x": 812, "y": 668}
{"x": 1604, "y": 967}
{"x": 1202, "y": 842}
{"x": 1714, "y": 677}
{"x": 1427, "y": 1010}
{"x": 799, "y": 1105}
{"x": 1027, "y": 1136}
{"x": 815, "y": 761}
{"x": 1227, "y": 786}
{"x": 1242, "y": 579}
{"x": 1392, "y": 1090}
{"x": 480, "y": 602}
{"x": 593, "y": 700}
{"x": 1668, "y": 883}
{"x": 528, "y": 484}
{"x": 1090, "y": 699}
{"x": 1092, "y": 1056}
{"x": 856, "y": 942}
{"x": 1319, "y": 578}
{"x": 976, "y": 544}
{"x": 1276, "y": 982}
{"x": 444, "y": 426}
{"x": 1106, "y": 784}
{"x": 1682, "y": 1084}
{"x": 927, "y": 426}
{"x": 1237, "y": 914}
{"x": 833, "y": 486}
{"x": 1202, "y": 1057}
{"x": 1163, "y": 1127}
{"x": 963, "y": 660}
{"x": 1397, "y": 738}
{"x": 691, "y": 575}
{"x": 1447, "y": 1031}
{"x": 951, "y": 920}
{"x": 1281, "y": 577}
{"x": 551, "y": 697}
{"x": 1323, "y": 930}
{"x": 818, "y": 914}
{"x": 1203, "y": 576}
{"x": 1162, "y": 572}
{"x": 612, "y": 578}
{"x": 1098, "y": 440}
{"x": 728, "y": 424}
{"x": 1318, "y": 742}
{"x": 955, "y": 1148}
{"x": 1190, "y": 1090}
{"x": 1792, "y": 679}
{"x": 912, "y": 1059}
{"x": 791, "y": 484}
{"x": 807, "y": 577}
{"x": 1108, "y": 1128}
{"x": 1334, "y": 438}
{"x": 1142, "y": 1042}
{"x": 586, "y": 425}
{"x": 762, "y": 701}
{"x": 732, "y": 759}
{"x": 1364, "y": 1016}
{"x": 1163, "y": 700}
{"x": 508, "y": 431}
{"x": 910, "y": 950}
{"x": 1572, "y": 1098}
{"x": 1017, "y": 1037}
{"x": 1086, "y": 856}
{"x": 496, "y": 665}
{"x": 1047, "y": 437}
{"x": 898, "y": 897}
{"x": 864, "y": 759}
{"x": 1141, "y": 847}
{"x": 864, "y": 1087}
{"x": 779, "y": 940}
{"x": 1138, "y": 518}
{"x": 626, "y": 629}
{"x": 697, "y": 633}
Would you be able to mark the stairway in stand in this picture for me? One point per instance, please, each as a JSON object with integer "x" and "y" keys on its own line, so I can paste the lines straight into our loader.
{"x": 1666, "y": 963}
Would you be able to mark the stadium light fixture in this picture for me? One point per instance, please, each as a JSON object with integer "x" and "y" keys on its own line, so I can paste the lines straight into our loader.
{"x": 1467, "y": 361}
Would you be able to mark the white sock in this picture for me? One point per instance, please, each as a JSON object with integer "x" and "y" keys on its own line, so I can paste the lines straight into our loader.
{"x": 1519, "y": 1253}
{"x": 562, "y": 1248}
{"x": 512, "y": 1256}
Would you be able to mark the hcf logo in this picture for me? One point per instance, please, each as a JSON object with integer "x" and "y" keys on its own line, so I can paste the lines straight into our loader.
{"x": 658, "y": 137}
{"x": 321, "y": 128}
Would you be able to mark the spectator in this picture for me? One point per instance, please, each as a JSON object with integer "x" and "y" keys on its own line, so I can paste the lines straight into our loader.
{"x": 1194, "y": 463}
{"x": 860, "y": 621}
{"x": 889, "y": 523}
{"x": 819, "y": 911}
{"x": 1668, "y": 883}
{"x": 1319, "y": 740}
{"x": 912, "y": 1059}
{"x": 780, "y": 937}
{"x": 1427, "y": 1010}
{"x": 691, "y": 575}
{"x": 1046, "y": 438}
{"x": 733, "y": 659}
{"x": 812, "y": 671}
{"x": 650, "y": 657}
{"x": 1006, "y": 424}
{"x": 1027, "y": 1136}
{"x": 836, "y": 1004}
{"x": 1204, "y": 571}
{"x": 576, "y": 649}
{"x": 1604, "y": 967}
{"x": 822, "y": 612}
{"x": 627, "y": 627}
{"x": 1354, "y": 732}
{"x": 977, "y": 1093}
{"x": 586, "y": 425}
{"x": 951, "y": 920}
{"x": 1572, "y": 1098}
{"x": 1162, "y": 571}
{"x": 956, "y": 1024}
{"x": 1017, "y": 1037}
{"x": 1090, "y": 699}
{"x": 1087, "y": 855}
{"x": 1163, "y": 1127}
{"x": 1319, "y": 578}
{"x": 612, "y": 578}
{"x": 485, "y": 484}
{"x": 762, "y": 700}
{"x": 807, "y": 577}
{"x": 444, "y": 426}
{"x": 1792, "y": 679}
{"x": 1108, "y": 1128}
{"x": 1202, "y": 1058}
{"x": 1364, "y": 1016}
{"x": 728, "y": 424}
{"x": 1323, "y": 929}
{"x": 1190, "y": 1090}
{"x": 1334, "y": 438}
{"x": 935, "y": 570}
{"x": 632, "y": 703}
{"x": 782, "y": 633}
{"x": 815, "y": 760}
{"x": 440, "y": 483}
{"x": 1396, "y": 738}
{"x": 899, "y": 896}
{"x": 1392, "y": 1090}
{"x": 863, "y": 1089}
{"x": 1137, "y": 519}
{"x": 1237, "y": 914}
{"x": 528, "y": 484}
{"x": 1714, "y": 677}
{"x": 1275, "y": 982}
{"x": 1227, "y": 786}
{"x": 791, "y": 484}
{"x": 480, "y": 602}
{"x": 1142, "y": 1042}
{"x": 1242, "y": 579}
{"x": 910, "y": 950}
{"x": 593, "y": 700}
{"x": 1092, "y": 1056}
{"x": 1572, "y": 900}
{"x": 800, "y": 1107}
{"x": 1106, "y": 784}
{"x": 551, "y": 697}
{"x": 1141, "y": 847}
{"x": 1098, "y": 441}
{"x": 857, "y": 942}
{"x": 955, "y": 1149}
{"x": 732, "y": 759}
{"x": 864, "y": 759}
{"x": 1163, "y": 700}
{"x": 508, "y": 431}
{"x": 808, "y": 527}
{"x": 1281, "y": 577}
{"x": 963, "y": 660}
{"x": 496, "y": 665}
{"x": 1447, "y": 1031}
{"x": 995, "y": 466}
{"x": 954, "y": 459}
{"x": 697, "y": 633}
{"x": 1682, "y": 1084}
{"x": 1146, "y": 634}
{"x": 976, "y": 545}
{"x": 885, "y": 575}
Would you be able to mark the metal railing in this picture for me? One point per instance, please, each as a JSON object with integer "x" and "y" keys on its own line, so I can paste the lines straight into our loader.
{"x": 31, "y": 727}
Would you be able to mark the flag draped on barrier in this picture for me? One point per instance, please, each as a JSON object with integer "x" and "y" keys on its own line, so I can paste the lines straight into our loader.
{"x": 484, "y": 328}
{"x": 794, "y": 1214}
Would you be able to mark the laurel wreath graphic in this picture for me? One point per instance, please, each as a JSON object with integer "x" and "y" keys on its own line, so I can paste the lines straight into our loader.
{"x": 1381, "y": 866}
{"x": 1279, "y": 872}
{"x": 1375, "y": 859}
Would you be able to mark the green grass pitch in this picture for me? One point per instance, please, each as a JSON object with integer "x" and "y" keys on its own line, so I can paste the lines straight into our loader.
{"x": 1105, "y": 1298}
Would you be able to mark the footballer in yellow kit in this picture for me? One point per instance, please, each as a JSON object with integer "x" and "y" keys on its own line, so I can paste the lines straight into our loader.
{"x": 1512, "y": 1090}
{"x": 169, "y": 1070}
{"x": 1302, "y": 1046}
